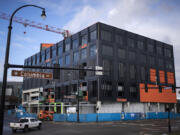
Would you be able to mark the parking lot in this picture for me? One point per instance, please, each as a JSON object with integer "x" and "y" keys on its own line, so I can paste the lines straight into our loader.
{"x": 141, "y": 127}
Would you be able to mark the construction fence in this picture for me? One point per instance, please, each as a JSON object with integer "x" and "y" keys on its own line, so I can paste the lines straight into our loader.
{"x": 102, "y": 117}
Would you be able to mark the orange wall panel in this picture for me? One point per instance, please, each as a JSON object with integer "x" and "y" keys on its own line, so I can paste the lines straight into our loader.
{"x": 161, "y": 76}
{"x": 170, "y": 77}
{"x": 153, "y": 95}
{"x": 153, "y": 75}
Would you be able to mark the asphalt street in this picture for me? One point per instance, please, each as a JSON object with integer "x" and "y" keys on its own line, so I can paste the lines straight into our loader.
{"x": 141, "y": 127}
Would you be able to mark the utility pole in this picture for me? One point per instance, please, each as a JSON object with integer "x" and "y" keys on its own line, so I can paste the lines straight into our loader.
{"x": 78, "y": 102}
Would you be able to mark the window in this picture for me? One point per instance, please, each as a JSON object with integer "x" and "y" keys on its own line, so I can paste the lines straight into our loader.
{"x": 67, "y": 46}
{"x": 34, "y": 60}
{"x": 169, "y": 65}
{"x": 43, "y": 57}
{"x": 84, "y": 39}
{"x": 132, "y": 56}
{"x": 140, "y": 45}
{"x": 48, "y": 55}
{"x": 119, "y": 39}
{"x": 121, "y": 53}
{"x": 120, "y": 90}
{"x": 76, "y": 57}
{"x": 38, "y": 58}
{"x": 168, "y": 53}
{"x": 54, "y": 62}
{"x": 133, "y": 91}
{"x": 143, "y": 73}
{"x": 150, "y": 47}
{"x": 92, "y": 50}
{"x": 105, "y": 35}
{"x": 107, "y": 66}
{"x": 151, "y": 60}
{"x": 84, "y": 53}
{"x": 54, "y": 53}
{"x": 93, "y": 35}
{"x": 75, "y": 44}
{"x": 67, "y": 59}
{"x": 60, "y": 61}
{"x": 60, "y": 51}
{"x": 160, "y": 63}
{"x": 142, "y": 58}
{"x": 121, "y": 69}
{"x": 107, "y": 88}
{"x": 107, "y": 50}
{"x": 131, "y": 43}
{"x": 159, "y": 50}
{"x": 132, "y": 72}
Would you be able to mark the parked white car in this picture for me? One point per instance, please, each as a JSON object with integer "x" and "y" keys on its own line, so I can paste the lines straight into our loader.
{"x": 25, "y": 124}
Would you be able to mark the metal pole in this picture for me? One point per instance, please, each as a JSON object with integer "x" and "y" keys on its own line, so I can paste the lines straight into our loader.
{"x": 6, "y": 66}
{"x": 78, "y": 103}
{"x": 169, "y": 120}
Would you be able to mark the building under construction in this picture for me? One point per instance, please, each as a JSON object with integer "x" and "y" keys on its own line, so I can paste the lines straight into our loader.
{"x": 139, "y": 73}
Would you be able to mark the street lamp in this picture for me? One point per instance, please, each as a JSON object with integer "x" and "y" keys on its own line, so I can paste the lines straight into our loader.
{"x": 6, "y": 62}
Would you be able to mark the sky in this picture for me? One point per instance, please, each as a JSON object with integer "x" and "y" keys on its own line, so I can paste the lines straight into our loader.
{"x": 157, "y": 19}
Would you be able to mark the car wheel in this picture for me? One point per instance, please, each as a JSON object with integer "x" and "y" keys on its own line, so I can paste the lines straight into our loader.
{"x": 14, "y": 130}
{"x": 26, "y": 128}
{"x": 39, "y": 127}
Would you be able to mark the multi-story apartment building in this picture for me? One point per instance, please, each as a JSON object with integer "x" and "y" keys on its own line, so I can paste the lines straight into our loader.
{"x": 137, "y": 69}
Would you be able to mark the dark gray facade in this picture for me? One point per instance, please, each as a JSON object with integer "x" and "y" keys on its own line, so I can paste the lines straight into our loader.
{"x": 126, "y": 57}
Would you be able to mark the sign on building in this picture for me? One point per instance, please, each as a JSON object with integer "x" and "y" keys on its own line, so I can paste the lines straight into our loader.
{"x": 30, "y": 74}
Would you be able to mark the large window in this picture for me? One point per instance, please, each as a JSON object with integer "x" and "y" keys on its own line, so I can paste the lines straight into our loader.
{"x": 67, "y": 46}
{"x": 133, "y": 91}
{"x": 43, "y": 57}
{"x": 92, "y": 50}
{"x": 76, "y": 56}
{"x": 84, "y": 39}
{"x": 47, "y": 54}
{"x": 38, "y": 58}
{"x": 140, "y": 45}
{"x": 54, "y": 53}
{"x": 159, "y": 50}
{"x": 143, "y": 58}
{"x": 93, "y": 35}
{"x": 151, "y": 60}
{"x": 84, "y": 53}
{"x": 168, "y": 53}
{"x": 120, "y": 90}
{"x": 131, "y": 42}
{"x": 121, "y": 53}
{"x": 150, "y": 47}
{"x": 132, "y": 55}
{"x": 107, "y": 50}
{"x": 105, "y": 35}
{"x": 67, "y": 59}
{"x": 107, "y": 66}
{"x": 107, "y": 88}
{"x": 132, "y": 71}
{"x": 75, "y": 44}
{"x": 143, "y": 73}
{"x": 161, "y": 63}
{"x": 60, "y": 61}
{"x": 119, "y": 39}
{"x": 34, "y": 60}
{"x": 60, "y": 51}
{"x": 121, "y": 69}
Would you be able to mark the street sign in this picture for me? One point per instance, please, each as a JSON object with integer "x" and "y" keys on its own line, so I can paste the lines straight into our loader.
{"x": 30, "y": 74}
{"x": 99, "y": 72}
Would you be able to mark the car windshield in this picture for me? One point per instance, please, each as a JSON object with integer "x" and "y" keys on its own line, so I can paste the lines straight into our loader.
{"x": 23, "y": 120}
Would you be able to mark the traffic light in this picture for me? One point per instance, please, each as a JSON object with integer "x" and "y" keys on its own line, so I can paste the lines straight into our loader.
{"x": 82, "y": 71}
{"x": 56, "y": 72}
